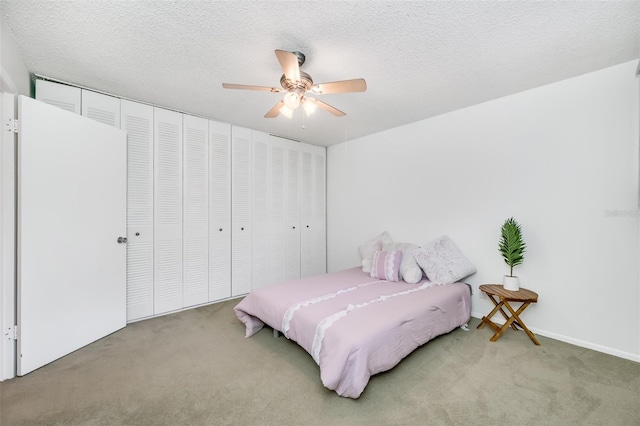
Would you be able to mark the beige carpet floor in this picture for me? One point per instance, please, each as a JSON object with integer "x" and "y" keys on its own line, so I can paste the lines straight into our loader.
{"x": 196, "y": 368}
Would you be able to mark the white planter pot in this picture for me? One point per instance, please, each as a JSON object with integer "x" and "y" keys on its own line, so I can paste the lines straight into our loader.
{"x": 511, "y": 283}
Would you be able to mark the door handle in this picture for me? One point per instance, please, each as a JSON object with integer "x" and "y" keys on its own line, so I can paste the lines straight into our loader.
{"x": 122, "y": 240}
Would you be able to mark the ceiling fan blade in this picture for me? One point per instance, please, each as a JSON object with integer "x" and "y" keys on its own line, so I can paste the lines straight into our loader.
{"x": 275, "y": 111}
{"x": 327, "y": 107}
{"x": 345, "y": 86}
{"x": 248, "y": 87}
{"x": 289, "y": 63}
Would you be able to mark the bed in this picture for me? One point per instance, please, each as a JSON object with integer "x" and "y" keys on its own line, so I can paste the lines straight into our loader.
{"x": 353, "y": 325}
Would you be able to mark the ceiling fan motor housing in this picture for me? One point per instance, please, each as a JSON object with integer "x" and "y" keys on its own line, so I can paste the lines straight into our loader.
{"x": 299, "y": 87}
{"x": 301, "y": 57}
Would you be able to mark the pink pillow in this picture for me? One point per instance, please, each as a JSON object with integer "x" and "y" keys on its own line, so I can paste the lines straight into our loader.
{"x": 386, "y": 264}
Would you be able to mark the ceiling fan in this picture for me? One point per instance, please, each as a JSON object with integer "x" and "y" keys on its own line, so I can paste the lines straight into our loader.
{"x": 297, "y": 83}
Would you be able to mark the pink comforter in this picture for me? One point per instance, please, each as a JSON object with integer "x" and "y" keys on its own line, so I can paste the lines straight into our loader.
{"x": 353, "y": 325}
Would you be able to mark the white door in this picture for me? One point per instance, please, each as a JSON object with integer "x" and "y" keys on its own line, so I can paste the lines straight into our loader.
{"x": 293, "y": 211}
{"x": 319, "y": 225}
{"x": 306, "y": 211}
{"x": 261, "y": 270}
{"x": 137, "y": 121}
{"x": 167, "y": 168}
{"x": 240, "y": 211}
{"x": 195, "y": 211}
{"x": 277, "y": 209}
{"x": 219, "y": 210}
{"x": 71, "y": 212}
{"x": 312, "y": 211}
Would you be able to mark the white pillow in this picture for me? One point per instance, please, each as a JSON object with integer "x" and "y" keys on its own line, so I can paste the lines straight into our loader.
{"x": 443, "y": 262}
{"x": 368, "y": 248}
{"x": 410, "y": 272}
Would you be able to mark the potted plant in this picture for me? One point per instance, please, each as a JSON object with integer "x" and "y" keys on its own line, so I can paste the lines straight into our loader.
{"x": 512, "y": 248}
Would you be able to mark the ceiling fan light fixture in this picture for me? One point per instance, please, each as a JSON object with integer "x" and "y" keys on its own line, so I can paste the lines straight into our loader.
{"x": 316, "y": 89}
{"x": 292, "y": 100}
{"x": 309, "y": 106}
{"x": 286, "y": 111}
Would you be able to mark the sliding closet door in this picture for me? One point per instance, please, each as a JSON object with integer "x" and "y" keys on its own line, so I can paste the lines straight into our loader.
{"x": 219, "y": 210}
{"x": 292, "y": 257}
{"x": 260, "y": 237}
{"x": 168, "y": 210}
{"x": 277, "y": 209}
{"x": 241, "y": 211}
{"x": 196, "y": 211}
{"x": 71, "y": 216}
{"x": 102, "y": 108}
{"x": 137, "y": 121}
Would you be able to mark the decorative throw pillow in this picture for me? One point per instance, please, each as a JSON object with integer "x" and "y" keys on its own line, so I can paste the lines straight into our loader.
{"x": 386, "y": 265}
{"x": 443, "y": 262}
{"x": 410, "y": 272}
{"x": 368, "y": 248}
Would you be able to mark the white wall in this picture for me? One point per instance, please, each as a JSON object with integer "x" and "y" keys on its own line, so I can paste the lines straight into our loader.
{"x": 562, "y": 159}
{"x": 11, "y": 61}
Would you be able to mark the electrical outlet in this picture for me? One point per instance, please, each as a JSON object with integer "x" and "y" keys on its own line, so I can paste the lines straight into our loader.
{"x": 483, "y": 295}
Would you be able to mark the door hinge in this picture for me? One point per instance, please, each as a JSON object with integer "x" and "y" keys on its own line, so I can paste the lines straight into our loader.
{"x": 12, "y": 125}
{"x": 11, "y": 333}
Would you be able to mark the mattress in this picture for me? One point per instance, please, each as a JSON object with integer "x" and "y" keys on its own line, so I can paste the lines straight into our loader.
{"x": 355, "y": 326}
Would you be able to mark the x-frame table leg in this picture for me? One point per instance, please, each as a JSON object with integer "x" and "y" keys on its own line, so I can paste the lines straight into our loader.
{"x": 516, "y": 317}
{"x": 487, "y": 319}
{"x": 499, "y": 306}
{"x": 511, "y": 320}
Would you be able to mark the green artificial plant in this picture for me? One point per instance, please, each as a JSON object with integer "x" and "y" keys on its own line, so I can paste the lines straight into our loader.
{"x": 511, "y": 245}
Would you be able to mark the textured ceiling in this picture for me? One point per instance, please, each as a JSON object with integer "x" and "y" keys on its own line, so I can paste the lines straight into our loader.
{"x": 419, "y": 59}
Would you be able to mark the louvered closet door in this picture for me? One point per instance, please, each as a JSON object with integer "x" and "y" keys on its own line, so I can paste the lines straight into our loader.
{"x": 137, "y": 122}
{"x": 260, "y": 274}
{"x": 312, "y": 211}
{"x": 59, "y": 95}
{"x": 320, "y": 211}
{"x": 277, "y": 209}
{"x": 102, "y": 108}
{"x": 292, "y": 255}
{"x": 167, "y": 210}
{"x": 306, "y": 211}
{"x": 195, "y": 211}
{"x": 318, "y": 227}
{"x": 240, "y": 211}
{"x": 219, "y": 210}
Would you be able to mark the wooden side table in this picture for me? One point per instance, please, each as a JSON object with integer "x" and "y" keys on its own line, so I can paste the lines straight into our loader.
{"x": 501, "y": 298}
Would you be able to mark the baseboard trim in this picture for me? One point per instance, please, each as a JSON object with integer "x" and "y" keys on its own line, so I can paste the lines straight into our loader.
{"x": 572, "y": 341}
